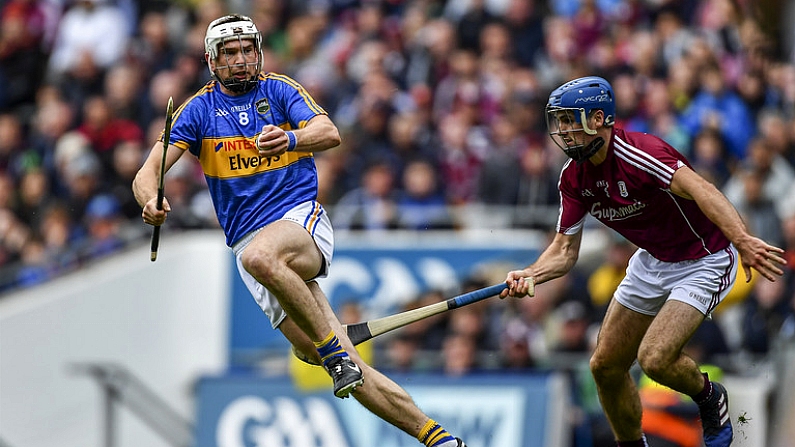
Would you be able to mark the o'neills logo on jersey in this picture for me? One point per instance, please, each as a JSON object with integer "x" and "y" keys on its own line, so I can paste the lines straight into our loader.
{"x": 624, "y": 212}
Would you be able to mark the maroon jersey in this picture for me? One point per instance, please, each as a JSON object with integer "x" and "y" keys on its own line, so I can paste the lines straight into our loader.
{"x": 630, "y": 192}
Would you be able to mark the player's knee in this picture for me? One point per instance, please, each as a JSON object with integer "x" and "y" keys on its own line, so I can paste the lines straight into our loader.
{"x": 260, "y": 264}
{"x": 603, "y": 369}
{"x": 654, "y": 362}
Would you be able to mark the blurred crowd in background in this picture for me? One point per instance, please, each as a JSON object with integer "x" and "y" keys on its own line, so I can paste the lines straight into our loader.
{"x": 440, "y": 106}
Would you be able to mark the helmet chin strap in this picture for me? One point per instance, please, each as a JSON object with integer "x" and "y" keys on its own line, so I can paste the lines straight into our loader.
{"x": 234, "y": 85}
{"x": 588, "y": 151}
{"x": 238, "y": 86}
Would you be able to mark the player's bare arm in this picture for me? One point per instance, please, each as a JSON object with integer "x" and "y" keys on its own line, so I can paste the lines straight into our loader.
{"x": 145, "y": 183}
{"x": 558, "y": 258}
{"x": 318, "y": 135}
{"x": 755, "y": 253}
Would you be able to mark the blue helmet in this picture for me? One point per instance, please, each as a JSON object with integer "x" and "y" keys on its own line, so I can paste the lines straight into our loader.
{"x": 573, "y": 102}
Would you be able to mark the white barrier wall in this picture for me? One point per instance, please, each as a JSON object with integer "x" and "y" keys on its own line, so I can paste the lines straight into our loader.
{"x": 166, "y": 321}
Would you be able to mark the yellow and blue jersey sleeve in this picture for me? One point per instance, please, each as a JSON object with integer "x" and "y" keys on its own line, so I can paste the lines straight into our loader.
{"x": 248, "y": 191}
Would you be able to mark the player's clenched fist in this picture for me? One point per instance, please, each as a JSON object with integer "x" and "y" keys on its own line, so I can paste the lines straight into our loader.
{"x": 272, "y": 141}
{"x": 519, "y": 285}
{"x": 154, "y": 216}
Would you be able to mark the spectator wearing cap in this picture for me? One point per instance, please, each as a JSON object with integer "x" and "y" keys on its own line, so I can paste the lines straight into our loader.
{"x": 103, "y": 223}
{"x": 83, "y": 178}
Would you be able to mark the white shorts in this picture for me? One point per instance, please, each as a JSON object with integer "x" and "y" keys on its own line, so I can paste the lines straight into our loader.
{"x": 314, "y": 219}
{"x": 701, "y": 283}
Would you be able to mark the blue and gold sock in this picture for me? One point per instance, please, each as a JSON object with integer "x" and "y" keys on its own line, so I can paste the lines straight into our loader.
{"x": 433, "y": 435}
{"x": 329, "y": 348}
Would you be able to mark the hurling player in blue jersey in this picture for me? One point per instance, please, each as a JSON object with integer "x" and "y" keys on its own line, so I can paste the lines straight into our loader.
{"x": 254, "y": 135}
{"x": 688, "y": 236}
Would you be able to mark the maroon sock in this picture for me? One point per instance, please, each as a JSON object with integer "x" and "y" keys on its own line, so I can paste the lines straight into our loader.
{"x": 639, "y": 443}
{"x": 705, "y": 392}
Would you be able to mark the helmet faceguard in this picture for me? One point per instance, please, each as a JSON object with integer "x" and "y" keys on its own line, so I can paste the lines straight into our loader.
{"x": 235, "y": 28}
{"x": 568, "y": 110}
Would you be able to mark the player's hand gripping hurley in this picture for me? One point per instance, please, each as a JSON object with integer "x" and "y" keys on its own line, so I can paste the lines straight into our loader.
{"x": 361, "y": 332}
{"x": 160, "y": 184}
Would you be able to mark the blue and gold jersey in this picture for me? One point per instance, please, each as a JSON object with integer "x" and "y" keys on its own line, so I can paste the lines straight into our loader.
{"x": 248, "y": 192}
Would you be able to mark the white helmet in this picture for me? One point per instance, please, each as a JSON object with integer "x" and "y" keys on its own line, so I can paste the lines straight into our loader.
{"x": 224, "y": 29}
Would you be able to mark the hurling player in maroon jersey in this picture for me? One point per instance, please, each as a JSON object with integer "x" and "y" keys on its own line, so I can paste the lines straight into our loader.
{"x": 689, "y": 237}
